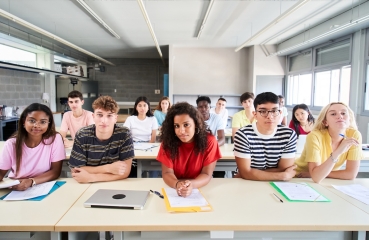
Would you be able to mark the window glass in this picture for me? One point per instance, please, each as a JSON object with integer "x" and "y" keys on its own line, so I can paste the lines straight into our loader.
{"x": 345, "y": 84}
{"x": 299, "y": 89}
{"x": 333, "y": 53}
{"x": 322, "y": 88}
{"x": 17, "y": 56}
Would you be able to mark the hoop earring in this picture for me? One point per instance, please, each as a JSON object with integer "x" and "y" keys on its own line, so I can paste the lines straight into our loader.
{"x": 198, "y": 130}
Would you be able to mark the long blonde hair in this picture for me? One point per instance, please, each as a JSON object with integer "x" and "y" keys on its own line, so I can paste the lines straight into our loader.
{"x": 320, "y": 121}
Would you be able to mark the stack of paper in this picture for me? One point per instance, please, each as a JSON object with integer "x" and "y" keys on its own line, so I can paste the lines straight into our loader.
{"x": 300, "y": 192}
{"x": 144, "y": 146}
{"x": 32, "y": 192}
{"x": 7, "y": 182}
{"x": 193, "y": 203}
{"x": 356, "y": 191}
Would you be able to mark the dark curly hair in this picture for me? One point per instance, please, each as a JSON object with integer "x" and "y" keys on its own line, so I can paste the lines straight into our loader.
{"x": 170, "y": 142}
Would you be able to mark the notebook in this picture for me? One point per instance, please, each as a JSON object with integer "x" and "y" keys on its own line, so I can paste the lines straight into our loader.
{"x": 123, "y": 199}
{"x": 301, "y": 143}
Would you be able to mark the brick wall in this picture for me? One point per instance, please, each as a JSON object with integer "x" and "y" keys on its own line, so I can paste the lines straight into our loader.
{"x": 131, "y": 78}
{"x": 19, "y": 88}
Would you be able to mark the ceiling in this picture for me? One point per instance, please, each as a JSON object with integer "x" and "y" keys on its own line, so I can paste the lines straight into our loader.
{"x": 175, "y": 22}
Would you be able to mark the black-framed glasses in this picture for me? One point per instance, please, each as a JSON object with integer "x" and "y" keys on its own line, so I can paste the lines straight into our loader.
{"x": 265, "y": 113}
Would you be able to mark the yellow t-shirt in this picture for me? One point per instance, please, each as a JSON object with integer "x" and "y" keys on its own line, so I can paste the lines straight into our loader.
{"x": 240, "y": 120}
{"x": 318, "y": 148}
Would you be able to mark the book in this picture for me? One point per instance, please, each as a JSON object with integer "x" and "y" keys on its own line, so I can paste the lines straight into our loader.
{"x": 196, "y": 202}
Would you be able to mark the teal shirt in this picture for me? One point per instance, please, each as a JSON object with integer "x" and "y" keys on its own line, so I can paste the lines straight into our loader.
{"x": 160, "y": 116}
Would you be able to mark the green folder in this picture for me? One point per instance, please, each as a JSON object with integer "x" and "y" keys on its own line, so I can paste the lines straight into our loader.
{"x": 307, "y": 193}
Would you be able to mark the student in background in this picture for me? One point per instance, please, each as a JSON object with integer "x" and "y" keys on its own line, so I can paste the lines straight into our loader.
{"x": 265, "y": 150}
{"x": 35, "y": 152}
{"x": 142, "y": 123}
{"x": 161, "y": 110}
{"x": 102, "y": 151}
{"x": 213, "y": 121}
{"x": 188, "y": 152}
{"x": 284, "y": 114}
{"x": 302, "y": 120}
{"x": 246, "y": 116}
{"x": 333, "y": 141}
{"x": 75, "y": 119}
{"x": 221, "y": 111}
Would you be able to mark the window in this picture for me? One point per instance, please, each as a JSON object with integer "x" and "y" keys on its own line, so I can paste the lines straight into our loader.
{"x": 325, "y": 81}
{"x": 17, "y": 56}
{"x": 366, "y": 88}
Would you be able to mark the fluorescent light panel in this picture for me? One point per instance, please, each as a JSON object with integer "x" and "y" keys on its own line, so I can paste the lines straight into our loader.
{"x": 281, "y": 17}
{"x": 88, "y": 9}
{"x": 48, "y": 34}
{"x": 205, "y": 18}
{"x": 146, "y": 16}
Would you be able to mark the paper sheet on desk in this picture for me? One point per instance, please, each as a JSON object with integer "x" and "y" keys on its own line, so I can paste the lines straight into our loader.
{"x": 32, "y": 192}
{"x": 143, "y": 146}
{"x": 7, "y": 182}
{"x": 356, "y": 191}
{"x": 195, "y": 199}
{"x": 299, "y": 192}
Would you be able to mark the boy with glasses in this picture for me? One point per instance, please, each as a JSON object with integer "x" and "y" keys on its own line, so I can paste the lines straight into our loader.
{"x": 102, "y": 151}
{"x": 265, "y": 151}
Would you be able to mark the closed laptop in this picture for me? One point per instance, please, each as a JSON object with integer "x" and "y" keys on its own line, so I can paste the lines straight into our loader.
{"x": 300, "y": 144}
{"x": 123, "y": 199}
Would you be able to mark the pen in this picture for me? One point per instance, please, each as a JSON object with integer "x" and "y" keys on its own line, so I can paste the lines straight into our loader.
{"x": 342, "y": 135}
{"x": 278, "y": 197}
{"x": 157, "y": 193}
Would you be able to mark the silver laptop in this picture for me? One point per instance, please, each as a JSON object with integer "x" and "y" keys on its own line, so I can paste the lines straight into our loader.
{"x": 123, "y": 199}
{"x": 300, "y": 143}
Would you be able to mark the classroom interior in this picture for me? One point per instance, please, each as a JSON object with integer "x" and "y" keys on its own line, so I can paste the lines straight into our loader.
{"x": 312, "y": 52}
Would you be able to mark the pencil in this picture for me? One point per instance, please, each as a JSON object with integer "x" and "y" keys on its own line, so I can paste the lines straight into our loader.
{"x": 278, "y": 197}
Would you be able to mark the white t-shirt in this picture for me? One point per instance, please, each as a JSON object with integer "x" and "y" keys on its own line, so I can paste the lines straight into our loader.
{"x": 283, "y": 114}
{"x": 141, "y": 129}
{"x": 223, "y": 114}
{"x": 215, "y": 123}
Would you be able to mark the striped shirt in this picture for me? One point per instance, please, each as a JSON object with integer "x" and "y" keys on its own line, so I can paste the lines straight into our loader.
{"x": 88, "y": 150}
{"x": 265, "y": 151}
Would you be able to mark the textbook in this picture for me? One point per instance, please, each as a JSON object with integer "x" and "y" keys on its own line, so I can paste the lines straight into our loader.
{"x": 196, "y": 202}
{"x": 298, "y": 192}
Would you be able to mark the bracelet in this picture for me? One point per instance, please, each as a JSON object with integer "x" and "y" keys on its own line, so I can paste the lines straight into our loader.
{"x": 177, "y": 183}
{"x": 333, "y": 160}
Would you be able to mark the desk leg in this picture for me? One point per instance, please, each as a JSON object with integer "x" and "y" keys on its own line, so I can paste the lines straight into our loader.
{"x": 360, "y": 235}
{"x": 139, "y": 169}
{"x": 118, "y": 236}
{"x": 55, "y": 236}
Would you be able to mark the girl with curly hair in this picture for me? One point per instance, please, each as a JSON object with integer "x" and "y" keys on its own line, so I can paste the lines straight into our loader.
{"x": 188, "y": 152}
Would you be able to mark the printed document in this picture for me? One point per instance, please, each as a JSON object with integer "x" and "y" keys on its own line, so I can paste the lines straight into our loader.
{"x": 356, "y": 191}
{"x": 32, "y": 192}
{"x": 299, "y": 191}
{"x": 7, "y": 182}
{"x": 194, "y": 200}
{"x": 143, "y": 146}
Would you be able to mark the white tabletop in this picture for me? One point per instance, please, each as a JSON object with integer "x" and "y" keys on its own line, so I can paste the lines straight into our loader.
{"x": 239, "y": 205}
{"x": 39, "y": 215}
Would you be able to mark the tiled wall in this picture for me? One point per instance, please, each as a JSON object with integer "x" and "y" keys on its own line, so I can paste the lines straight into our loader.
{"x": 131, "y": 78}
{"x": 19, "y": 88}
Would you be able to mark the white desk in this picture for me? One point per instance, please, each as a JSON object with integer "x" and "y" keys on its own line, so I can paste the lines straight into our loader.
{"x": 243, "y": 209}
{"x": 34, "y": 216}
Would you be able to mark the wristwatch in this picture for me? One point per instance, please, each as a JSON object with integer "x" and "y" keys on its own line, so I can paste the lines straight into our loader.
{"x": 333, "y": 160}
{"x": 33, "y": 182}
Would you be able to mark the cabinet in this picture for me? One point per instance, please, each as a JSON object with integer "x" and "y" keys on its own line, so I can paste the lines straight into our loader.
{"x": 8, "y": 126}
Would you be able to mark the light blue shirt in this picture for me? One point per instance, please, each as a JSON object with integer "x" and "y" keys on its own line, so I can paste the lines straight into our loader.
{"x": 215, "y": 123}
{"x": 160, "y": 116}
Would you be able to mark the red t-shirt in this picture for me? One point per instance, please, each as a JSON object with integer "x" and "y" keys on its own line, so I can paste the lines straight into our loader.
{"x": 302, "y": 131}
{"x": 189, "y": 164}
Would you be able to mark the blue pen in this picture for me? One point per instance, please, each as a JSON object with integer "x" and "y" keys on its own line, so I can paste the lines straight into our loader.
{"x": 157, "y": 193}
{"x": 342, "y": 135}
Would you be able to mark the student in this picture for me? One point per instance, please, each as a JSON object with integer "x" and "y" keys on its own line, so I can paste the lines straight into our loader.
{"x": 188, "y": 152}
{"x": 246, "y": 116}
{"x": 102, "y": 151}
{"x": 284, "y": 112}
{"x": 334, "y": 141}
{"x": 161, "y": 110}
{"x": 75, "y": 119}
{"x": 221, "y": 111}
{"x": 35, "y": 152}
{"x": 265, "y": 150}
{"x": 142, "y": 123}
{"x": 302, "y": 120}
{"x": 213, "y": 121}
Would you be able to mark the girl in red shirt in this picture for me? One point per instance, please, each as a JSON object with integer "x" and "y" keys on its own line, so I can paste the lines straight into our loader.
{"x": 302, "y": 120}
{"x": 188, "y": 152}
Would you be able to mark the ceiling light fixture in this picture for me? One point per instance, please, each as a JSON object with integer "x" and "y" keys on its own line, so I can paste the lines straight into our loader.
{"x": 205, "y": 18}
{"x": 278, "y": 19}
{"x": 146, "y": 16}
{"x": 88, "y": 9}
{"x": 50, "y": 35}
